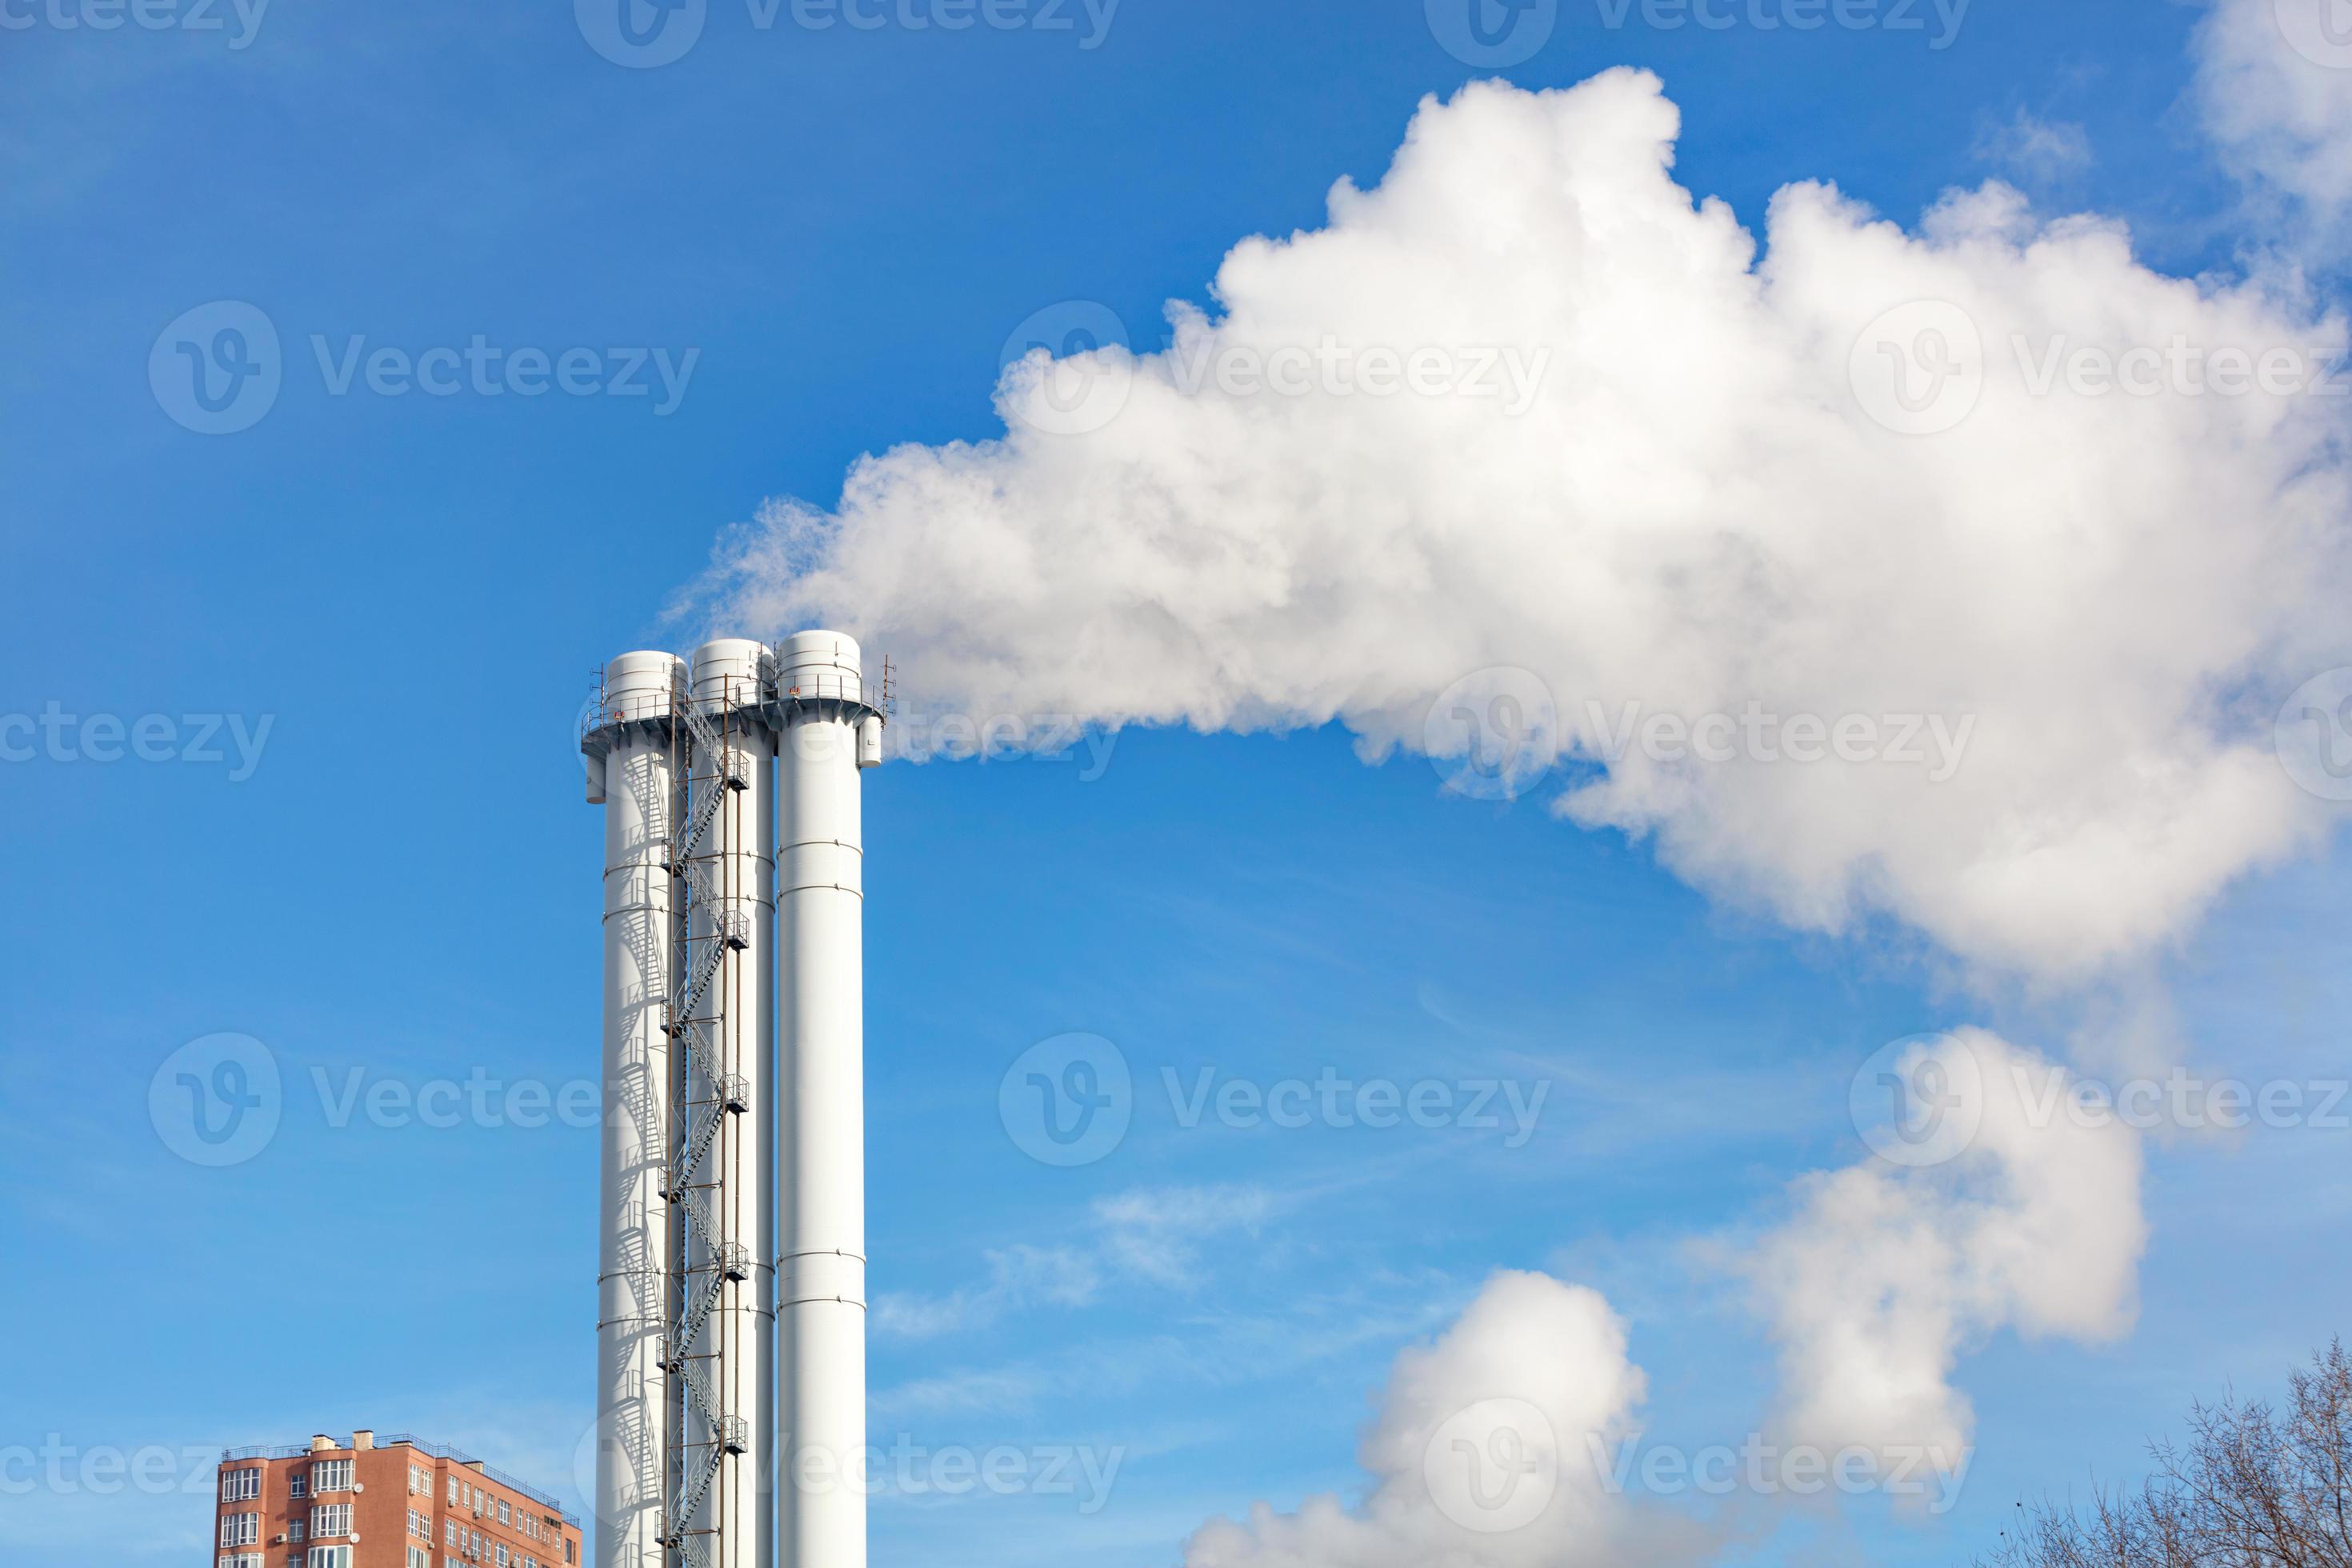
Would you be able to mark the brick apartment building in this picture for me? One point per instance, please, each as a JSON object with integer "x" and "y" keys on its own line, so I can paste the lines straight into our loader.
{"x": 401, "y": 1503}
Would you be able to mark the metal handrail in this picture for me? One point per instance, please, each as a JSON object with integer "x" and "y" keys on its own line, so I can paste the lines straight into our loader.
{"x": 457, "y": 1456}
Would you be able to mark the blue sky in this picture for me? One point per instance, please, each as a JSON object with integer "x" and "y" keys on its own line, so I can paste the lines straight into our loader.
{"x": 397, "y": 880}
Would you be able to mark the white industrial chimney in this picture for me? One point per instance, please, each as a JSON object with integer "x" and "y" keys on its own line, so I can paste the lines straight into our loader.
{"x": 731, "y": 1324}
{"x": 821, "y": 1257}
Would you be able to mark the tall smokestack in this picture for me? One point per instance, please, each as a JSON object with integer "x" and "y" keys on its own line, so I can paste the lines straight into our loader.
{"x": 731, "y": 1332}
{"x": 828, "y": 731}
{"x": 633, "y": 769}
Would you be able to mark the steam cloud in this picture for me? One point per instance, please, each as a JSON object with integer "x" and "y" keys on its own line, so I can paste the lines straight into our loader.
{"x": 1731, "y": 491}
{"x": 2026, "y": 1217}
{"x": 2283, "y": 116}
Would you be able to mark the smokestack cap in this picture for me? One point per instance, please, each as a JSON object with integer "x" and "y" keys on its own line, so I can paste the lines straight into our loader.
{"x": 638, "y": 685}
{"x": 727, "y": 672}
{"x": 821, "y": 664}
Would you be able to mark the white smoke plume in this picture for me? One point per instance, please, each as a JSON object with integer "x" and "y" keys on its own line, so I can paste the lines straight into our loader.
{"x": 1996, "y": 1204}
{"x": 2275, "y": 85}
{"x": 1483, "y": 1453}
{"x": 1526, "y": 450}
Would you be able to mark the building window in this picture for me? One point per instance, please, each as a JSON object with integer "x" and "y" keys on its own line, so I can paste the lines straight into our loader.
{"x": 330, "y": 1557}
{"x": 502, "y": 1554}
{"x": 241, "y": 1560}
{"x": 241, "y": 1528}
{"x": 299, "y": 1484}
{"x": 420, "y": 1557}
{"x": 294, "y": 1530}
{"x": 330, "y": 1519}
{"x": 448, "y": 1532}
{"x": 506, "y": 1511}
{"x": 331, "y": 1476}
{"x": 453, "y": 1492}
{"x": 240, "y": 1486}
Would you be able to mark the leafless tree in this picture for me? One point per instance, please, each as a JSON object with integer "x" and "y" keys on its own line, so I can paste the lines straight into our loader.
{"x": 2254, "y": 1487}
